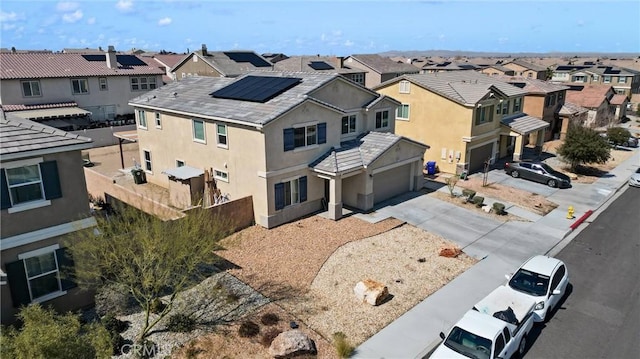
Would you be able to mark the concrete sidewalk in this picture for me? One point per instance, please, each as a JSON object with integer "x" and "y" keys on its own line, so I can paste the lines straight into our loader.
{"x": 502, "y": 247}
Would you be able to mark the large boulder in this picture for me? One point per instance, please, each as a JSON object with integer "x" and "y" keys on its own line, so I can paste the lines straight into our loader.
{"x": 292, "y": 343}
{"x": 371, "y": 291}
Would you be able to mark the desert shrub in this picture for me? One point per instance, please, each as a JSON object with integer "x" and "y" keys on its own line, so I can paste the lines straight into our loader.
{"x": 157, "y": 306}
{"x": 118, "y": 343}
{"x": 478, "y": 201}
{"x": 469, "y": 193}
{"x": 269, "y": 319}
{"x": 181, "y": 323}
{"x": 498, "y": 208}
{"x": 248, "y": 329}
{"x": 113, "y": 324}
{"x": 147, "y": 349}
{"x": 269, "y": 336}
{"x": 114, "y": 299}
{"x": 342, "y": 346}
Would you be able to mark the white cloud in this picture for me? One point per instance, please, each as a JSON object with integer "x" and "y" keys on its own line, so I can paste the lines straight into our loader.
{"x": 7, "y": 27}
{"x": 503, "y": 40}
{"x": 124, "y": 5}
{"x": 164, "y": 21}
{"x": 91, "y": 20}
{"x": 8, "y": 16}
{"x": 67, "y": 6}
{"x": 441, "y": 37}
{"x": 72, "y": 17}
{"x": 348, "y": 43}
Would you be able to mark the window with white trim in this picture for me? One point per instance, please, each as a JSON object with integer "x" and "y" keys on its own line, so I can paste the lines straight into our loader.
{"x": 147, "y": 160}
{"x": 102, "y": 81}
{"x": 31, "y": 88}
{"x": 382, "y": 119}
{"x": 42, "y": 275}
{"x": 517, "y": 103}
{"x": 79, "y": 86}
{"x": 622, "y": 79}
{"x": 221, "y": 131}
{"x": 158, "y": 120}
{"x": 499, "y": 108}
{"x": 348, "y": 124}
{"x": 606, "y": 79}
{"x": 579, "y": 78}
{"x": 142, "y": 119}
{"x": 25, "y": 184}
{"x": 143, "y": 83}
{"x": 404, "y": 87}
{"x": 358, "y": 78}
{"x": 402, "y": 112}
{"x": 305, "y": 136}
{"x": 290, "y": 191}
{"x": 29, "y": 184}
{"x": 198, "y": 130}
{"x": 484, "y": 114}
{"x": 180, "y": 163}
{"x": 596, "y": 77}
{"x": 221, "y": 175}
{"x": 505, "y": 107}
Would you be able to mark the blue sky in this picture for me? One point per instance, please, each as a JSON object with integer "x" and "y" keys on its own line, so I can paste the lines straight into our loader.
{"x": 324, "y": 27}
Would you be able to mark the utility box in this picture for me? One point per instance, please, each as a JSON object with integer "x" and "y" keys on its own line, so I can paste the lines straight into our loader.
{"x": 139, "y": 177}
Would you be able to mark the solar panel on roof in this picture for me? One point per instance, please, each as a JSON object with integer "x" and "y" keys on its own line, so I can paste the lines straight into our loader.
{"x": 320, "y": 65}
{"x": 250, "y": 57}
{"x": 95, "y": 57}
{"x": 256, "y": 88}
{"x": 129, "y": 60}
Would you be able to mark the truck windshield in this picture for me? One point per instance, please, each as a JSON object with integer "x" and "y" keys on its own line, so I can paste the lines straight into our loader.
{"x": 529, "y": 282}
{"x": 468, "y": 344}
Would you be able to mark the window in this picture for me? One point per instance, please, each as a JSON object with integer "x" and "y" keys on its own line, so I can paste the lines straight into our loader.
{"x": 158, "y": 120}
{"x": 290, "y": 192}
{"x": 142, "y": 119}
{"x": 622, "y": 79}
{"x": 505, "y": 107}
{"x": 560, "y": 96}
{"x": 304, "y": 136}
{"x": 31, "y": 88}
{"x": 530, "y": 74}
{"x": 25, "y": 184}
{"x": 103, "y": 83}
{"x": 552, "y": 100}
{"x": 596, "y": 77}
{"x": 404, "y": 87}
{"x": 221, "y": 130}
{"x": 147, "y": 161}
{"x": 499, "y": 109}
{"x": 358, "y": 78}
{"x": 143, "y": 83}
{"x": 507, "y": 334}
{"x": 517, "y": 103}
{"x": 547, "y": 101}
{"x": 180, "y": 163}
{"x": 221, "y": 175}
{"x": 348, "y": 124}
{"x": 557, "y": 278}
{"x": 79, "y": 86}
{"x": 580, "y": 78}
{"x": 36, "y": 275}
{"x": 484, "y": 114}
{"x": 402, "y": 112}
{"x": 607, "y": 79}
{"x": 198, "y": 131}
{"x": 499, "y": 345}
{"x": 382, "y": 119}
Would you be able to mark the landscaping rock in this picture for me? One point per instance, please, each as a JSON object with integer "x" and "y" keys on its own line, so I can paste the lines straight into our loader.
{"x": 292, "y": 343}
{"x": 450, "y": 252}
{"x": 371, "y": 291}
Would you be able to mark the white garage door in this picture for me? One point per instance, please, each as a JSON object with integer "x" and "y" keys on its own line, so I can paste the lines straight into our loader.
{"x": 391, "y": 183}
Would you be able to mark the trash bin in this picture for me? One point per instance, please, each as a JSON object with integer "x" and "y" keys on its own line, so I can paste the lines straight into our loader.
{"x": 463, "y": 175}
{"x": 431, "y": 167}
{"x": 139, "y": 177}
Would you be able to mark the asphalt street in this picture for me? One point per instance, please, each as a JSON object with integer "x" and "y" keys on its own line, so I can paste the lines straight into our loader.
{"x": 599, "y": 317}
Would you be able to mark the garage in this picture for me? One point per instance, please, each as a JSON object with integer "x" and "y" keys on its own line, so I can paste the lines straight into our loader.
{"x": 478, "y": 156}
{"x": 391, "y": 183}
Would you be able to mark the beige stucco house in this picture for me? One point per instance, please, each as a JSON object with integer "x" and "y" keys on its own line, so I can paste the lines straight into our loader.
{"x": 596, "y": 99}
{"x": 622, "y": 80}
{"x": 496, "y": 70}
{"x": 467, "y": 118}
{"x": 328, "y": 64}
{"x": 219, "y": 64}
{"x": 296, "y": 142}
{"x": 378, "y": 68}
{"x": 527, "y": 69}
{"x": 44, "y": 203}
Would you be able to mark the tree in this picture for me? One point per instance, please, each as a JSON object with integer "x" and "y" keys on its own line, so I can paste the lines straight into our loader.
{"x": 583, "y": 146}
{"x": 45, "y": 334}
{"x": 149, "y": 257}
{"x": 618, "y": 135}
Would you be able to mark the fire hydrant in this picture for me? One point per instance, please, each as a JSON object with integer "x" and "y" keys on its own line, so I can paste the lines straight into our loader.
{"x": 570, "y": 212}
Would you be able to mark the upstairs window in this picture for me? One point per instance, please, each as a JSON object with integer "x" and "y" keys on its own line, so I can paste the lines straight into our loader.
{"x": 79, "y": 86}
{"x": 348, "y": 124}
{"x": 147, "y": 160}
{"x": 358, "y": 78}
{"x": 142, "y": 119}
{"x": 222, "y": 135}
{"x": 622, "y": 79}
{"x": 25, "y": 184}
{"x": 484, "y": 114}
{"x": 402, "y": 112}
{"x": 560, "y": 96}
{"x": 579, "y": 78}
{"x": 607, "y": 79}
{"x": 517, "y": 103}
{"x": 31, "y": 88}
{"x": 198, "y": 131}
{"x": 102, "y": 81}
{"x": 143, "y": 83}
{"x": 158, "y": 120}
{"x": 304, "y": 136}
{"x": 552, "y": 99}
{"x": 405, "y": 87}
{"x": 505, "y": 107}
{"x": 382, "y": 119}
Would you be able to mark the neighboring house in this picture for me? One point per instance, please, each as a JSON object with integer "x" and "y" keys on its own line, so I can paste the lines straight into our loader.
{"x": 327, "y": 64}
{"x": 44, "y": 203}
{"x": 572, "y": 114}
{"x": 619, "y": 103}
{"x": 379, "y": 69}
{"x": 543, "y": 100}
{"x": 624, "y": 81}
{"x": 595, "y": 98}
{"x": 448, "y": 66}
{"x": 494, "y": 70}
{"x": 275, "y": 57}
{"x": 167, "y": 62}
{"x": 101, "y": 84}
{"x": 219, "y": 64}
{"x": 527, "y": 69}
{"x": 296, "y": 142}
{"x": 467, "y": 118}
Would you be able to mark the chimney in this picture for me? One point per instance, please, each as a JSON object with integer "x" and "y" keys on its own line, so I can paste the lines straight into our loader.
{"x": 339, "y": 62}
{"x": 204, "y": 50}
{"x": 112, "y": 61}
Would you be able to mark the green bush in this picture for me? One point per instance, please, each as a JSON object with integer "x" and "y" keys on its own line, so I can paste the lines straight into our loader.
{"x": 269, "y": 336}
{"x": 269, "y": 319}
{"x": 498, "y": 208}
{"x": 181, "y": 323}
{"x": 478, "y": 201}
{"x": 248, "y": 329}
{"x": 343, "y": 348}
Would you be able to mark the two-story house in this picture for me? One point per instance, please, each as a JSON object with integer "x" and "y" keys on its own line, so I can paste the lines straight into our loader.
{"x": 297, "y": 142}
{"x": 494, "y": 70}
{"x": 623, "y": 81}
{"x": 219, "y": 64}
{"x": 378, "y": 68}
{"x": 467, "y": 118}
{"x": 597, "y": 99}
{"x": 329, "y": 64}
{"x": 44, "y": 203}
{"x": 99, "y": 84}
{"x": 527, "y": 69}
{"x": 446, "y": 66}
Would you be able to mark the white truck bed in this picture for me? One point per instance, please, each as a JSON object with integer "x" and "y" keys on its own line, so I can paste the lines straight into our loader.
{"x": 502, "y": 298}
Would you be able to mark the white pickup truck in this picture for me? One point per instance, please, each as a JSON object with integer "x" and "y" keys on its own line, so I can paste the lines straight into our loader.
{"x": 496, "y": 327}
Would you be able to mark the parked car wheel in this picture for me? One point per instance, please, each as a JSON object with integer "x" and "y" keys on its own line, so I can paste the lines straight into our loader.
{"x": 552, "y": 183}
{"x": 515, "y": 174}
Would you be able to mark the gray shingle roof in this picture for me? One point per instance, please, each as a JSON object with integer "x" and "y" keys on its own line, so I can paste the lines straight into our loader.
{"x": 19, "y": 135}
{"x": 192, "y": 96}
{"x": 524, "y": 124}
{"x": 529, "y": 65}
{"x": 464, "y": 87}
{"x": 571, "y": 109}
{"x": 384, "y": 65}
{"x": 531, "y": 85}
{"x": 302, "y": 63}
{"x": 226, "y": 66}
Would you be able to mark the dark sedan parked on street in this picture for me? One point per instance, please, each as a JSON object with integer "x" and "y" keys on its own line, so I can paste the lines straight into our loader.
{"x": 539, "y": 172}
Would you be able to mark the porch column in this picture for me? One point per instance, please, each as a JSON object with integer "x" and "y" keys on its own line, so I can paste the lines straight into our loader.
{"x": 540, "y": 139}
{"x": 335, "y": 198}
{"x": 517, "y": 148}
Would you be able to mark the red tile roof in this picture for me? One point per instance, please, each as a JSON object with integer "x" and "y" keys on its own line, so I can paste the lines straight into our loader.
{"x": 618, "y": 99}
{"x": 170, "y": 60}
{"x": 591, "y": 96}
{"x": 9, "y": 108}
{"x": 35, "y": 65}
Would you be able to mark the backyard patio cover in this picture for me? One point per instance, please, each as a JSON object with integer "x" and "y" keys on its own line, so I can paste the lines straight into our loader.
{"x": 183, "y": 172}
{"x": 51, "y": 113}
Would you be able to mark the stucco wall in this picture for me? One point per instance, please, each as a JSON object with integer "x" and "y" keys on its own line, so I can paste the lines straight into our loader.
{"x": 199, "y": 68}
